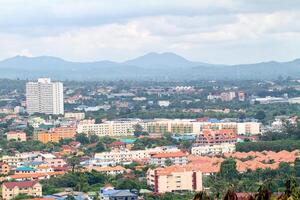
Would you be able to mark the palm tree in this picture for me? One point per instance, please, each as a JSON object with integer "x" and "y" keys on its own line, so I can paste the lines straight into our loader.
{"x": 230, "y": 195}
{"x": 201, "y": 196}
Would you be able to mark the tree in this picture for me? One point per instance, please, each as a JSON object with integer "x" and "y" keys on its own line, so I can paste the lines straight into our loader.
{"x": 201, "y": 196}
{"x": 70, "y": 197}
{"x": 297, "y": 168}
{"x": 168, "y": 162}
{"x": 228, "y": 169}
{"x": 260, "y": 115}
{"x": 73, "y": 162}
{"x": 82, "y": 138}
{"x": 93, "y": 138}
{"x": 291, "y": 192}
{"x": 138, "y": 130}
{"x": 100, "y": 147}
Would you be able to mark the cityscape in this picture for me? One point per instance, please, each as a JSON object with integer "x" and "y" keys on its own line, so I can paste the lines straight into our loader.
{"x": 152, "y": 124}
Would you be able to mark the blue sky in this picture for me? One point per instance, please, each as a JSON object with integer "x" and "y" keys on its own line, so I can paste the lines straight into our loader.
{"x": 214, "y": 31}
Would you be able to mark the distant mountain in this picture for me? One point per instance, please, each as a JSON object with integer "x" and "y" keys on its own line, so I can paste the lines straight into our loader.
{"x": 164, "y": 60}
{"x": 152, "y": 66}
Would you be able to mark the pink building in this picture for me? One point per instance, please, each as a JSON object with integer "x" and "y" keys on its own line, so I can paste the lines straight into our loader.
{"x": 16, "y": 135}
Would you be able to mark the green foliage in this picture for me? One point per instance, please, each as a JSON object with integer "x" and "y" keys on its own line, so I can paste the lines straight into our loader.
{"x": 276, "y": 145}
{"x": 228, "y": 169}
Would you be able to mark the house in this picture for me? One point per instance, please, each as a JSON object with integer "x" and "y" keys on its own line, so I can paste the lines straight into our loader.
{"x": 108, "y": 170}
{"x": 12, "y": 189}
{"x": 24, "y": 170}
{"x": 109, "y": 193}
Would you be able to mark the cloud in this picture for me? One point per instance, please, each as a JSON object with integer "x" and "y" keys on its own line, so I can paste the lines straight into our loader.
{"x": 217, "y": 31}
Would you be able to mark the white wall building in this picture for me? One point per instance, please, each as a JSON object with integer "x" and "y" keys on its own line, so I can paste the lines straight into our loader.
{"x": 213, "y": 149}
{"x": 44, "y": 96}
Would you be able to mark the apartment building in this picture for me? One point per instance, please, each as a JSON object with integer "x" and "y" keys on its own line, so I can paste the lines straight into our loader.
{"x": 161, "y": 126}
{"x": 249, "y": 128}
{"x": 56, "y": 134}
{"x": 16, "y": 135}
{"x": 213, "y": 149}
{"x": 75, "y": 115}
{"x": 175, "y": 158}
{"x": 213, "y": 137}
{"x": 17, "y": 160}
{"x": 175, "y": 178}
{"x": 45, "y": 97}
{"x": 110, "y": 128}
{"x": 12, "y": 189}
{"x": 123, "y": 156}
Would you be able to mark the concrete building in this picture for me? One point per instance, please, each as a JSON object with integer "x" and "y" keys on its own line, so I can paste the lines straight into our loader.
{"x": 249, "y": 128}
{"x": 75, "y": 115}
{"x": 56, "y": 134}
{"x": 127, "y": 156}
{"x": 213, "y": 149}
{"x": 109, "y": 193}
{"x": 110, "y": 128}
{"x": 12, "y": 189}
{"x": 45, "y": 97}
{"x": 175, "y": 158}
{"x": 16, "y": 135}
{"x": 175, "y": 178}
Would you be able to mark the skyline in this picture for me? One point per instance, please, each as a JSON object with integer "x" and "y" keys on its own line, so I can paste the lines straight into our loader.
{"x": 105, "y": 30}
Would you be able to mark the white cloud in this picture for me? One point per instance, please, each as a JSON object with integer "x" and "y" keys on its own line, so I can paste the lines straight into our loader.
{"x": 217, "y": 31}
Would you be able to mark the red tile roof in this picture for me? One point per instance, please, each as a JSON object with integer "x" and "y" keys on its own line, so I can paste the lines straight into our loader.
{"x": 23, "y": 184}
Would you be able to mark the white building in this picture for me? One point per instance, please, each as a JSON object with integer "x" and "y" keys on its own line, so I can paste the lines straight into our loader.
{"x": 75, "y": 115}
{"x": 44, "y": 96}
{"x": 110, "y": 128}
{"x": 213, "y": 149}
{"x": 249, "y": 128}
{"x": 127, "y": 156}
{"x": 163, "y": 103}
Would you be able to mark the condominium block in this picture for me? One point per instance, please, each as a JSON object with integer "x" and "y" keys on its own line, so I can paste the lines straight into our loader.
{"x": 45, "y": 97}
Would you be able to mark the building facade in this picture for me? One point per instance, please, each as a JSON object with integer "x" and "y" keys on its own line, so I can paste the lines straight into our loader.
{"x": 45, "y": 97}
{"x": 175, "y": 178}
{"x": 12, "y": 189}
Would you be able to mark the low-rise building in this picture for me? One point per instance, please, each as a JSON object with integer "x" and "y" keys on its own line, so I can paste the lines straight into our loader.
{"x": 175, "y": 178}
{"x": 109, "y": 170}
{"x": 109, "y": 193}
{"x": 12, "y": 189}
{"x": 16, "y": 135}
{"x": 213, "y": 149}
{"x": 125, "y": 155}
{"x": 75, "y": 115}
{"x": 56, "y": 134}
{"x": 174, "y": 158}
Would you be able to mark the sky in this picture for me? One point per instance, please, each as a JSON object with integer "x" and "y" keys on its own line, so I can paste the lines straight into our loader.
{"x": 213, "y": 31}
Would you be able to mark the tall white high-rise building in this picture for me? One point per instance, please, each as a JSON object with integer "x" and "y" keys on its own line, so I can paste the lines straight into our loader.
{"x": 45, "y": 97}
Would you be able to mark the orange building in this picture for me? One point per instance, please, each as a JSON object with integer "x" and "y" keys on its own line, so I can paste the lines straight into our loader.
{"x": 65, "y": 132}
{"x": 56, "y": 134}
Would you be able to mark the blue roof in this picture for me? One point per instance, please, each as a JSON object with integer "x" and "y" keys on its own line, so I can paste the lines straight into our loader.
{"x": 25, "y": 169}
{"x": 213, "y": 120}
{"x": 128, "y": 141}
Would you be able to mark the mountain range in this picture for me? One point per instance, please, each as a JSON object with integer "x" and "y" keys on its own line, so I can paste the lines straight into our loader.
{"x": 152, "y": 66}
